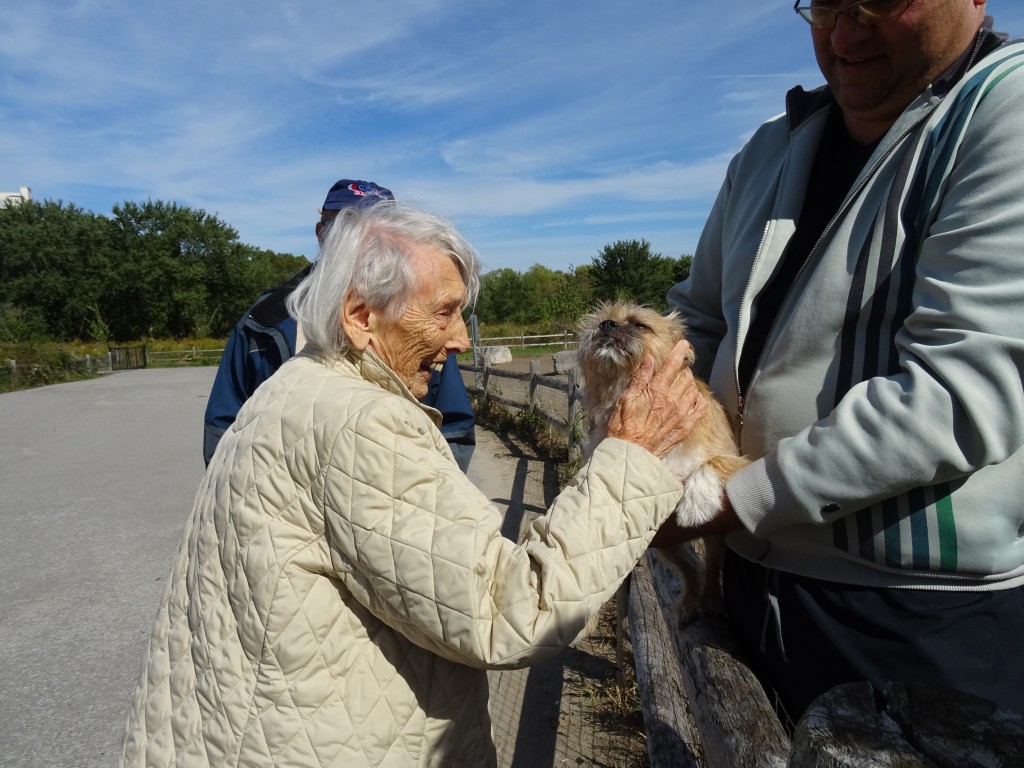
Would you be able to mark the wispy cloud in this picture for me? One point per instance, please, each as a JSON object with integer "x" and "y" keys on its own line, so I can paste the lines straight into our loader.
{"x": 545, "y": 131}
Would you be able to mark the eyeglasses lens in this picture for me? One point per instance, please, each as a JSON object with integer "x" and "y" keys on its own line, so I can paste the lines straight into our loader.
{"x": 864, "y": 12}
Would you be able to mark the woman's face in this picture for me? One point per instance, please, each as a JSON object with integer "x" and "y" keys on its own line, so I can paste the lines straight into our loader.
{"x": 429, "y": 327}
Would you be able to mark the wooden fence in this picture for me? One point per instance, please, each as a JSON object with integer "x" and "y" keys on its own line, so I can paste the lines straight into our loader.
{"x": 568, "y": 420}
{"x": 191, "y": 356}
{"x": 196, "y": 356}
{"x": 53, "y": 369}
{"x": 566, "y": 339}
{"x": 702, "y": 706}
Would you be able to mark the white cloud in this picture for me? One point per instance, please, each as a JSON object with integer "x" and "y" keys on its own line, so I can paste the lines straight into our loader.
{"x": 546, "y": 131}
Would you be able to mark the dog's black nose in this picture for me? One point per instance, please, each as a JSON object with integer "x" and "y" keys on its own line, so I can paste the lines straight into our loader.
{"x": 607, "y": 325}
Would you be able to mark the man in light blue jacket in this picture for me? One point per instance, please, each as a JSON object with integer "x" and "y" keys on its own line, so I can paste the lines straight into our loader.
{"x": 857, "y": 303}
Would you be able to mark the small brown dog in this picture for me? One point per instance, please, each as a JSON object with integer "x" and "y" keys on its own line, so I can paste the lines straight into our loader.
{"x": 613, "y": 341}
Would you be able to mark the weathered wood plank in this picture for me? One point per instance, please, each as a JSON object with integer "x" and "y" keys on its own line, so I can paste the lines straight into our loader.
{"x": 737, "y": 724}
{"x": 955, "y": 728}
{"x": 672, "y": 737}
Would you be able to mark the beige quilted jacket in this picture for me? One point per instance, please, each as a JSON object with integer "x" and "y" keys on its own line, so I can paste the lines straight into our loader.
{"x": 341, "y": 586}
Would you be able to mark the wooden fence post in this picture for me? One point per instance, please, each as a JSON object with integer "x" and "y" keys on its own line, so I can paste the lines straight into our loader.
{"x": 532, "y": 399}
{"x": 14, "y": 372}
{"x": 487, "y": 375}
{"x": 573, "y": 412}
{"x": 673, "y": 740}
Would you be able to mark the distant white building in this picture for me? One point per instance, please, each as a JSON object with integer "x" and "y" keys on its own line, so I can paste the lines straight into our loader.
{"x": 24, "y": 194}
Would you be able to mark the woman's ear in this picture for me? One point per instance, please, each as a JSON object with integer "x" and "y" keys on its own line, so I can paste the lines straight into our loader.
{"x": 355, "y": 321}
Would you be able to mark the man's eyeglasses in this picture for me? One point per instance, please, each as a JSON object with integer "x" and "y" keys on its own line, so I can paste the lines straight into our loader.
{"x": 865, "y": 12}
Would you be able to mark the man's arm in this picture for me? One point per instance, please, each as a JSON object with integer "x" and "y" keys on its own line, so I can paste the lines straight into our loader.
{"x": 956, "y": 403}
{"x": 228, "y": 393}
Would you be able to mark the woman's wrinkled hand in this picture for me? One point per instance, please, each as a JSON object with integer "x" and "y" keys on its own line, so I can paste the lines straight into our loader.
{"x": 658, "y": 410}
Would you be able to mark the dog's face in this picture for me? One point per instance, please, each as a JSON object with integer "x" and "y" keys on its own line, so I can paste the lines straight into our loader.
{"x": 617, "y": 336}
{"x": 613, "y": 341}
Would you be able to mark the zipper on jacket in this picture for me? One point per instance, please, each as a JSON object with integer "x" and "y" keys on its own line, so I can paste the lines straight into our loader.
{"x": 736, "y": 354}
{"x": 740, "y": 400}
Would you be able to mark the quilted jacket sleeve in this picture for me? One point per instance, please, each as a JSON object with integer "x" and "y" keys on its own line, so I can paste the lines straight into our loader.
{"x": 420, "y": 546}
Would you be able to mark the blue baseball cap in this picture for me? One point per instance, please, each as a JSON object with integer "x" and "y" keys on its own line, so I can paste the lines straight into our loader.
{"x": 347, "y": 192}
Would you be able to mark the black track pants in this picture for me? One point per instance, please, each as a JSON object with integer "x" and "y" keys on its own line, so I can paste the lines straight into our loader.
{"x": 805, "y": 635}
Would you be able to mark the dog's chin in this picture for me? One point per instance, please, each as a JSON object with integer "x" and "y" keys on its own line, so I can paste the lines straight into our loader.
{"x": 609, "y": 359}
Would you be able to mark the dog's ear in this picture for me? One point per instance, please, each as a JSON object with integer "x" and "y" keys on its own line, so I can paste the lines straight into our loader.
{"x": 676, "y": 318}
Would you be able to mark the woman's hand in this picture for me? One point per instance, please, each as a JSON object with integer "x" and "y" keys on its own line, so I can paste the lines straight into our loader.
{"x": 658, "y": 410}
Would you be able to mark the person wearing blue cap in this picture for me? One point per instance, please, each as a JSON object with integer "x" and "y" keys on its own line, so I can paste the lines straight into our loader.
{"x": 267, "y": 335}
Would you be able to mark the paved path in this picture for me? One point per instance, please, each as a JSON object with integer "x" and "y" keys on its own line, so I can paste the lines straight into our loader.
{"x": 96, "y": 479}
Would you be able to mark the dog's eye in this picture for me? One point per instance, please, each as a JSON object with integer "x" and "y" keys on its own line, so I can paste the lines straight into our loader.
{"x": 642, "y": 326}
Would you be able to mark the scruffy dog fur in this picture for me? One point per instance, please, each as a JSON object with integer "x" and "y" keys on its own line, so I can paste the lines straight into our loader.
{"x": 613, "y": 341}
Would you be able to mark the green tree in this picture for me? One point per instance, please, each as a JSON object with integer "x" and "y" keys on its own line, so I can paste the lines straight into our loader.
{"x": 539, "y": 285}
{"x": 154, "y": 269}
{"x": 500, "y": 292}
{"x": 184, "y": 273}
{"x": 627, "y": 270}
{"x": 53, "y": 263}
{"x": 160, "y": 283}
{"x": 237, "y": 276}
{"x": 572, "y": 298}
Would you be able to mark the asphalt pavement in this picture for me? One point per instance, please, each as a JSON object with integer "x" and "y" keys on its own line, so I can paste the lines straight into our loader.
{"x": 96, "y": 480}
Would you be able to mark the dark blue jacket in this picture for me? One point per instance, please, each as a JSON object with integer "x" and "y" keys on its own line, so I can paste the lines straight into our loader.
{"x": 265, "y": 337}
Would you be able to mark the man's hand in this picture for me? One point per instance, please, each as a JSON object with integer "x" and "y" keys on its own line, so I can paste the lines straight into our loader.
{"x": 672, "y": 534}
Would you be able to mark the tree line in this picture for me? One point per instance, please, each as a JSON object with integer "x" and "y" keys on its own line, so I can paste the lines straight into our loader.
{"x": 151, "y": 269}
{"x": 161, "y": 270}
{"x": 625, "y": 269}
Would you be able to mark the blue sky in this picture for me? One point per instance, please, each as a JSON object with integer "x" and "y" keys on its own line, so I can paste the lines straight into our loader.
{"x": 544, "y": 130}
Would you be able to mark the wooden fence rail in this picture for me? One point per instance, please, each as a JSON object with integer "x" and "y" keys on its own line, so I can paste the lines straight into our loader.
{"x": 570, "y": 423}
{"x": 727, "y": 721}
{"x": 191, "y": 356}
{"x": 566, "y": 339}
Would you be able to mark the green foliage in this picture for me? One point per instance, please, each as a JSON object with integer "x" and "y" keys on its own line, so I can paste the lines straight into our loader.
{"x": 98, "y": 328}
{"x": 539, "y": 298}
{"x": 39, "y": 364}
{"x": 153, "y": 268}
{"x": 157, "y": 269}
{"x": 549, "y": 301}
{"x": 500, "y": 293}
{"x": 627, "y": 270}
{"x": 20, "y": 325}
{"x": 524, "y": 424}
{"x": 53, "y": 259}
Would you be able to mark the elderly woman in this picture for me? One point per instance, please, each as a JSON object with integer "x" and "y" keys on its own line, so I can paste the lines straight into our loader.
{"x": 341, "y": 586}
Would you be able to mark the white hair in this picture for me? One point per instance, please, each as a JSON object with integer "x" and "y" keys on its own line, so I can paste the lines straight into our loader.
{"x": 367, "y": 250}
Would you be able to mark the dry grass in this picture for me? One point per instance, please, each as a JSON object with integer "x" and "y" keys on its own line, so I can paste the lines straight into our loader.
{"x": 613, "y": 699}
{"x": 610, "y": 699}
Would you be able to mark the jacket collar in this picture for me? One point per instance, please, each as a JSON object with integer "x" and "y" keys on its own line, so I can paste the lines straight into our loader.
{"x": 368, "y": 366}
